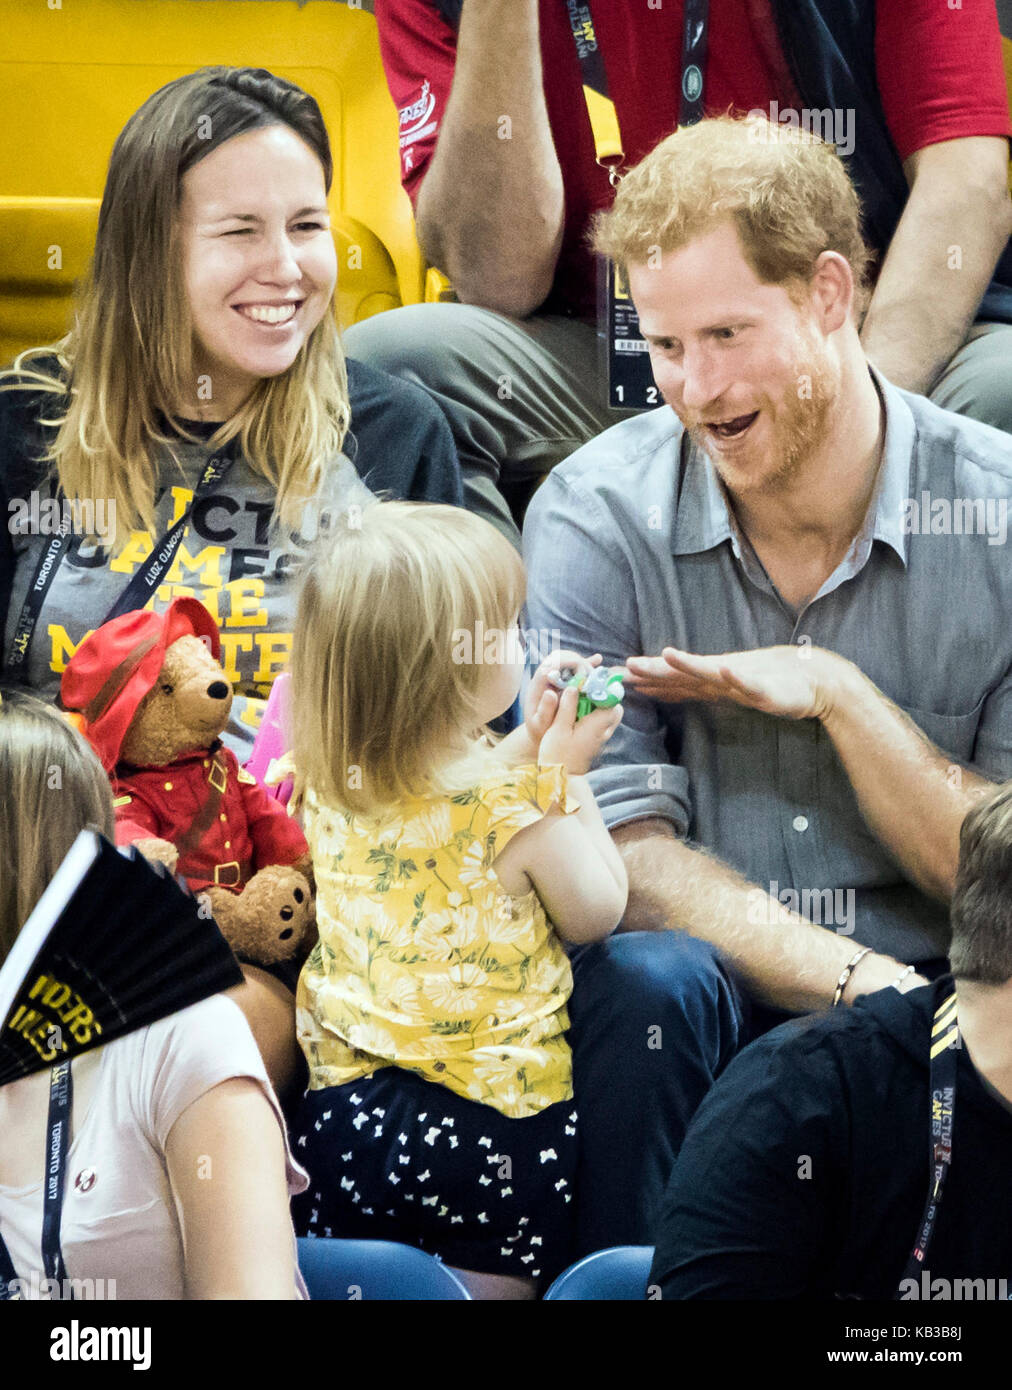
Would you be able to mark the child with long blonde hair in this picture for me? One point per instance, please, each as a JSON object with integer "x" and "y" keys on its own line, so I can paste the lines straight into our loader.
{"x": 450, "y": 870}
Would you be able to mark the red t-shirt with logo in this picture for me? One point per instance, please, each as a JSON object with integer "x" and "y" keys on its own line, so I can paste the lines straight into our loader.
{"x": 939, "y": 74}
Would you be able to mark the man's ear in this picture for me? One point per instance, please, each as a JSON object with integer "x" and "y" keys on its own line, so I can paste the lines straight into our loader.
{"x": 832, "y": 288}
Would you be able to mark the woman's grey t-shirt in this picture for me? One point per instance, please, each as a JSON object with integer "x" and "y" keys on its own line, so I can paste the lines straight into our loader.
{"x": 231, "y": 558}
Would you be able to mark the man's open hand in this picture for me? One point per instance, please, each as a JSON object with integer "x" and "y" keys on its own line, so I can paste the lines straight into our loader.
{"x": 794, "y": 682}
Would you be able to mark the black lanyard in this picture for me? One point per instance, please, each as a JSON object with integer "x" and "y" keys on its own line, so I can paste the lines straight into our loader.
{"x": 147, "y": 579}
{"x": 694, "y": 49}
{"x": 697, "y": 15}
{"x": 61, "y": 1092}
{"x": 143, "y": 583}
{"x": 944, "y": 1060}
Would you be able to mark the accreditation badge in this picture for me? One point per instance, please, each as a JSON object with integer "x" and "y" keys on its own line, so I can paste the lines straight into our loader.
{"x": 625, "y": 356}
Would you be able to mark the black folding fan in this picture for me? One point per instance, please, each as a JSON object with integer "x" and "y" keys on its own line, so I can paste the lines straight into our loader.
{"x": 113, "y": 944}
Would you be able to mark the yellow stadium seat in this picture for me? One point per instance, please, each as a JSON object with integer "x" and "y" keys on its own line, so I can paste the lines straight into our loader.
{"x": 78, "y": 72}
{"x": 46, "y": 245}
{"x": 438, "y": 289}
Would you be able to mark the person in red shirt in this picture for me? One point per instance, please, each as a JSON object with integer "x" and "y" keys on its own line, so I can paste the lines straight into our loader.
{"x": 498, "y": 157}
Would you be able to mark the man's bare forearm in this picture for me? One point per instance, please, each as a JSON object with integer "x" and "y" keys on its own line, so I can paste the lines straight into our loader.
{"x": 940, "y": 261}
{"x": 784, "y": 959}
{"x": 491, "y": 208}
{"x": 913, "y": 795}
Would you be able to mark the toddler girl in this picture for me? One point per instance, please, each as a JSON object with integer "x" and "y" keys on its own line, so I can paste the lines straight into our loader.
{"x": 450, "y": 870}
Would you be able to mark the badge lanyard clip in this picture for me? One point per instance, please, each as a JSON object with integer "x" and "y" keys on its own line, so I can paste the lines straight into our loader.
{"x": 943, "y": 1058}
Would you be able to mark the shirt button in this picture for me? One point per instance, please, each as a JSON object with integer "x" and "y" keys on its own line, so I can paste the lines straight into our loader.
{"x": 800, "y": 823}
{"x": 228, "y": 844}
{"x": 223, "y": 816}
{"x": 168, "y": 786}
{"x": 207, "y": 762}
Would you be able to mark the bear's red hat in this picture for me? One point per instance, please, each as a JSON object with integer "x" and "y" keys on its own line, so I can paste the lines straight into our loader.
{"x": 113, "y": 669}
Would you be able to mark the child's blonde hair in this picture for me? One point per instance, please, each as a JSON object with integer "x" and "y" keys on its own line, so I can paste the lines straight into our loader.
{"x": 52, "y": 787}
{"x": 387, "y": 657}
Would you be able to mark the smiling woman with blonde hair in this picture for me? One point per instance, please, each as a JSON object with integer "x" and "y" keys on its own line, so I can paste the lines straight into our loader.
{"x": 163, "y": 322}
{"x": 203, "y": 382}
{"x": 195, "y": 420}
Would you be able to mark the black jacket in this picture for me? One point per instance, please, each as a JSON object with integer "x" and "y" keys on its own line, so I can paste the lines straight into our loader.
{"x": 805, "y": 1171}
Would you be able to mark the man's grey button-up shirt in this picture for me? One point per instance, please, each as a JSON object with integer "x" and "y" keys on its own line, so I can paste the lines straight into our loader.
{"x": 630, "y": 547}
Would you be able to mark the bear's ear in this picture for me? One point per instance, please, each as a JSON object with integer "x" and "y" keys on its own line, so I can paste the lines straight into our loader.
{"x": 205, "y": 637}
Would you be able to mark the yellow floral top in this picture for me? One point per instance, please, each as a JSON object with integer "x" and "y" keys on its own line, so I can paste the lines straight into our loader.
{"x": 424, "y": 962}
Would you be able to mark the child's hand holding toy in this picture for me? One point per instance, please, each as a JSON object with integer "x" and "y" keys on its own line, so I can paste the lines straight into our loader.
{"x": 574, "y": 738}
{"x": 600, "y": 687}
{"x": 550, "y": 707}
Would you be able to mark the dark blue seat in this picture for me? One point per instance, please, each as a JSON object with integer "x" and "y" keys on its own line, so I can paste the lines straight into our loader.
{"x": 620, "y": 1273}
{"x": 343, "y": 1270}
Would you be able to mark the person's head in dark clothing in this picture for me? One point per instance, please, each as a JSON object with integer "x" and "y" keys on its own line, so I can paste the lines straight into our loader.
{"x": 981, "y": 910}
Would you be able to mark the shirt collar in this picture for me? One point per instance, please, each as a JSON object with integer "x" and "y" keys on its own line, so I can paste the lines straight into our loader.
{"x": 703, "y": 519}
{"x": 889, "y": 502}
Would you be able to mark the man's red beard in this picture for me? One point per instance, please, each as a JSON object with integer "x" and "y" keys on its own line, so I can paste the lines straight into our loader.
{"x": 800, "y": 427}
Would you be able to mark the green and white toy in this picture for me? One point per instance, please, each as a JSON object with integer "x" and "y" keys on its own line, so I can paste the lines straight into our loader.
{"x": 600, "y": 687}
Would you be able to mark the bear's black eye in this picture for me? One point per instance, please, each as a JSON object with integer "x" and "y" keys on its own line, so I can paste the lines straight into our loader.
{"x": 167, "y": 689}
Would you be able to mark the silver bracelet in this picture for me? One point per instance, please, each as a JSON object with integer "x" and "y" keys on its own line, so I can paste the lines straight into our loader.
{"x": 910, "y": 970}
{"x": 846, "y": 973}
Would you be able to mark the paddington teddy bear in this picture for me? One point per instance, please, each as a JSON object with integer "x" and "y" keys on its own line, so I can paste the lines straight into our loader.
{"x": 151, "y": 698}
